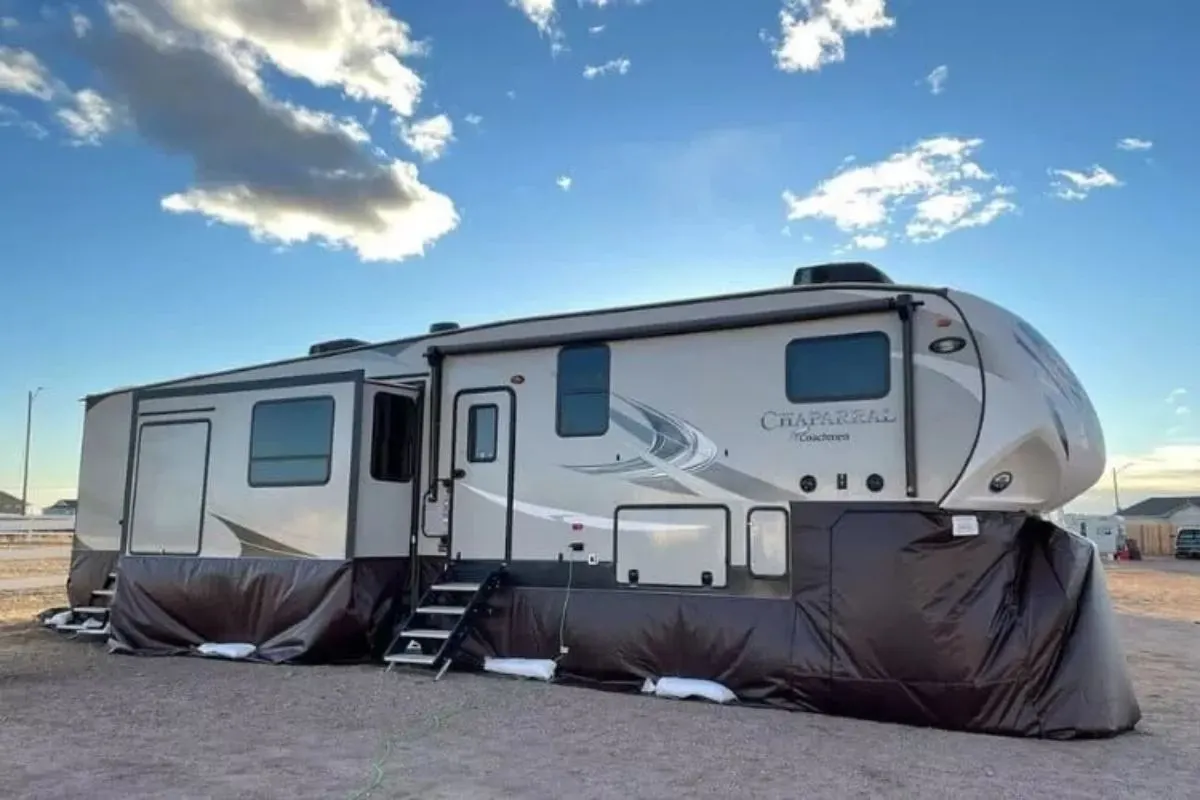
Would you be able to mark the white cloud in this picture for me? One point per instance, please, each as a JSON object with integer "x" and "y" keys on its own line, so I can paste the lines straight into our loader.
{"x": 1078, "y": 185}
{"x": 11, "y": 118}
{"x": 288, "y": 174}
{"x": 937, "y": 79}
{"x": 1182, "y": 411}
{"x": 9, "y": 23}
{"x": 356, "y": 45}
{"x": 934, "y": 181}
{"x": 472, "y": 119}
{"x": 80, "y": 24}
{"x": 22, "y": 73}
{"x": 89, "y": 118}
{"x": 543, "y": 15}
{"x": 870, "y": 241}
{"x": 596, "y": 30}
{"x": 1134, "y": 144}
{"x": 814, "y": 31}
{"x": 540, "y": 12}
{"x": 429, "y": 138}
{"x": 1176, "y": 396}
{"x": 564, "y": 182}
{"x": 620, "y": 66}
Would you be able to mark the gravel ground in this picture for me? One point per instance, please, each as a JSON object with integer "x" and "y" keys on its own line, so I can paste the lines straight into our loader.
{"x": 75, "y": 722}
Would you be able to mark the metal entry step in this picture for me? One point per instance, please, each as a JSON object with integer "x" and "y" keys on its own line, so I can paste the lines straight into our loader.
{"x": 420, "y": 634}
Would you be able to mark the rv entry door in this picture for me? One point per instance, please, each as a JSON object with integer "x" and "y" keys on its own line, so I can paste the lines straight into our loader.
{"x": 482, "y": 472}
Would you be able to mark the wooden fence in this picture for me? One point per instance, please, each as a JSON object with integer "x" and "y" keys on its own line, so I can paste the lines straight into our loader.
{"x": 1153, "y": 538}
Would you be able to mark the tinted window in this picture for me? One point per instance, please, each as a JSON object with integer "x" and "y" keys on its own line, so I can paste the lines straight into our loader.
{"x": 394, "y": 438}
{"x": 291, "y": 442}
{"x": 854, "y": 366}
{"x": 482, "y": 430}
{"x": 583, "y": 385}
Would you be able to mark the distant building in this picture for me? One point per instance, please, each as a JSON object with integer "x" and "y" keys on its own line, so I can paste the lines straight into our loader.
{"x": 10, "y": 504}
{"x": 63, "y": 508}
{"x": 1183, "y": 511}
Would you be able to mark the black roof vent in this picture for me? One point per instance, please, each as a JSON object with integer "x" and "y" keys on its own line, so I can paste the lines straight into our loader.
{"x": 442, "y": 327}
{"x": 334, "y": 345}
{"x": 840, "y": 272}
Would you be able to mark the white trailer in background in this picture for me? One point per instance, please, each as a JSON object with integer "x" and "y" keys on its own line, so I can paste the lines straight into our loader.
{"x": 1106, "y": 532}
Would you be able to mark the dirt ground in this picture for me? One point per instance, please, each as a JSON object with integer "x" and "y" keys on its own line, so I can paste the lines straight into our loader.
{"x": 34, "y": 566}
{"x": 1166, "y": 588}
{"x": 76, "y": 721}
{"x": 50, "y": 560}
{"x": 18, "y": 608}
{"x": 37, "y": 540}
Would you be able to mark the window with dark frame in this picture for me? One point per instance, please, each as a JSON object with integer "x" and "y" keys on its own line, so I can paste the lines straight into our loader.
{"x": 291, "y": 442}
{"x": 839, "y": 368}
{"x": 582, "y": 403}
{"x": 394, "y": 436}
{"x": 483, "y": 426}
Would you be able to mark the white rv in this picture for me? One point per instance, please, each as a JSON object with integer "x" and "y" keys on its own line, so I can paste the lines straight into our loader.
{"x": 664, "y": 447}
{"x": 1106, "y": 532}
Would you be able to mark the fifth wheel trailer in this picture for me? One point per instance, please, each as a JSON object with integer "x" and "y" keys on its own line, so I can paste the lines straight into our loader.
{"x": 806, "y": 491}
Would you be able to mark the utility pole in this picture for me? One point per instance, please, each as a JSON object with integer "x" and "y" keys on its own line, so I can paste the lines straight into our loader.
{"x": 1116, "y": 495}
{"x": 28, "y": 433}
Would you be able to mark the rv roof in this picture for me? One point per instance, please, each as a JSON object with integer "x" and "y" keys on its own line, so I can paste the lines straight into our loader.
{"x": 806, "y": 287}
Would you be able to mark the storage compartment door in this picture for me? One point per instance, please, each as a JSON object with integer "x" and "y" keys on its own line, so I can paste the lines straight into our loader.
{"x": 669, "y": 545}
{"x": 169, "y": 488}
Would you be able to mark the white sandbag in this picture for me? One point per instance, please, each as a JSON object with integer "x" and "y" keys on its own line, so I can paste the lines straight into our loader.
{"x": 683, "y": 688}
{"x": 541, "y": 668}
{"x": 226, "y": 649}
{"x": 61, "y": 618}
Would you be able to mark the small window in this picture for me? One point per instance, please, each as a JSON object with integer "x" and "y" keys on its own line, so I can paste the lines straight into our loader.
{"x": 852, "y": 366}
{"x": 583, "y": 385}
{"x": 482, "y": 433}
{"x": 291, "y": 442}
{"x": 768, "y": 542}
{"x": 394, "y": 436}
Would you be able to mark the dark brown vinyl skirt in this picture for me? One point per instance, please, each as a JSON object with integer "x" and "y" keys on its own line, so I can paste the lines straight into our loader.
{"x": 890, "y": 617}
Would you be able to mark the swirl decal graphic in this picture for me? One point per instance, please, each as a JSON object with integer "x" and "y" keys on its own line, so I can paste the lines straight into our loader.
{"x": 674, "y": 445}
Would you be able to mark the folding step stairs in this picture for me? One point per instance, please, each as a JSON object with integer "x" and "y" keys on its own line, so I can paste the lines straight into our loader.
{"x": 92, "y": 619}
{"x": 433, "y": 633}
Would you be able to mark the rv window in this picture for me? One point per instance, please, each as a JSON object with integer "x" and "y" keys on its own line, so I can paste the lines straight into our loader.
{"x": 583, "y": 386}
{"x": 852, "y": 366}
{"x": 768, "y": 542}
{"x": 291, "y": 441}
{"x": 482, "y": 433}
{"x": 394, "y": 436}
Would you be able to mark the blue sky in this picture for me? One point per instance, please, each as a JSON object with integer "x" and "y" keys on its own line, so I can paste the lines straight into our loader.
{"x": 158, "y": 161}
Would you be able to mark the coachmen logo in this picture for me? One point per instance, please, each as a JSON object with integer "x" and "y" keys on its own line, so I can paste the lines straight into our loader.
{"x": 822, "y": 425}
